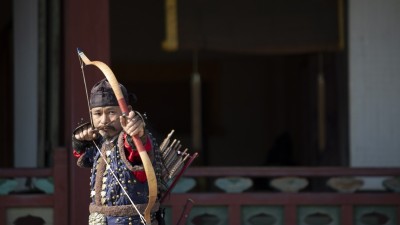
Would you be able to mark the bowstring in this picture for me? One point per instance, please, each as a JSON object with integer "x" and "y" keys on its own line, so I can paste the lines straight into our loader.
{"x": 86, "y": 90}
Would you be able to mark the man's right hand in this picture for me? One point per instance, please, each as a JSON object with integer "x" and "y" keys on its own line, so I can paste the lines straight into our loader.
{"x": 85, "y": 133}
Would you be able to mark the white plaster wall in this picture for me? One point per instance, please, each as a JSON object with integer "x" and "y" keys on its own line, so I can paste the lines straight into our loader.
{"x": 25, "y": 16}
{"x": 374, "y": 82}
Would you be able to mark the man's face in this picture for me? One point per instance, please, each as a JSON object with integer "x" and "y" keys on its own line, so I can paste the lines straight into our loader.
{"x": 107, "y": 120}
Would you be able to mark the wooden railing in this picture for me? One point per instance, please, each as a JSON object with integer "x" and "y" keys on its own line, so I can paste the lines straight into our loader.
{"x": 290, "y": 202}
{"x": 58, "y": 201}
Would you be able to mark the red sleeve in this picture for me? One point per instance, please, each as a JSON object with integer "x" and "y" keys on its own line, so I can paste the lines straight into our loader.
{"x": 76, "y": 154}
{"x": 134, "y": 157}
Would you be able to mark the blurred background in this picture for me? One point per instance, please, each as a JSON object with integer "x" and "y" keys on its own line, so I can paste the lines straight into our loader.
{"x": 272, "y": 95}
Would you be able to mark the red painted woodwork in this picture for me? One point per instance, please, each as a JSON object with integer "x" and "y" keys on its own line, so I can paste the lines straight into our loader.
{"x": 234, "y": 201}
{"x": 58, "y": 201}
{"x": 289, "y": 201}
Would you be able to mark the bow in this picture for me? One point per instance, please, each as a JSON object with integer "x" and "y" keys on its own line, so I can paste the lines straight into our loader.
{"x": 148, "y": 166}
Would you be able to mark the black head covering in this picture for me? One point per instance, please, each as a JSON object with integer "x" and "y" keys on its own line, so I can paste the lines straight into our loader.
{"x": 103, "y": 95}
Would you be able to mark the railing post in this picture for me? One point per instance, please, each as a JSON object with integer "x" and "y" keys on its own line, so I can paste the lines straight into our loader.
{"x": 347, "y": 215}
{"x": 290, "y": 215}
{"x": 61, "y": 193}
{"x": 235, "y": 215}
{"x": 2, "y": 214}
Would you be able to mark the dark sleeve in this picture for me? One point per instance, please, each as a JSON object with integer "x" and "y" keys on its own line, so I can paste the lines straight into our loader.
{"x": 85, "y": 151}
{"x": 79, "y": 147}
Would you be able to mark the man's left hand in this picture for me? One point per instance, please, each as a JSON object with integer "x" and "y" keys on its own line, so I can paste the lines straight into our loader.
{"x": 132, "y": 124}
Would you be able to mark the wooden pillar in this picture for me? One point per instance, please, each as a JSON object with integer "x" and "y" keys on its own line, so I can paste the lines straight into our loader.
{"x": 86, "y": 26}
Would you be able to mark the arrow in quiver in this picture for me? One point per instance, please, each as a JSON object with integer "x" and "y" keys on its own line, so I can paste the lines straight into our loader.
{"x": 175, "y": 160}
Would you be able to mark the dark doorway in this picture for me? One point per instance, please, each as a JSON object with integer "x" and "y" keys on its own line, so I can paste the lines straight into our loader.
{"x": 257, "y": 109}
